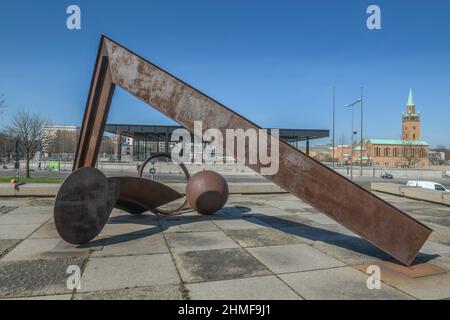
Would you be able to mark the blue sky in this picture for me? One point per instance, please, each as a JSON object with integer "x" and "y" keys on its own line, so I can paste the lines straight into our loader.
{"x": 275, "y": 62}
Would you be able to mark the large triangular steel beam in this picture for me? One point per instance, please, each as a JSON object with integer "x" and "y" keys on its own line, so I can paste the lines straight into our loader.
{"x": 388, "y": 228}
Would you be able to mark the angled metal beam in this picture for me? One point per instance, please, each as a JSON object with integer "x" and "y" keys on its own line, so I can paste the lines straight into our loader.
{"x": 388, "y": 228}
{"x": 96, "y": 112}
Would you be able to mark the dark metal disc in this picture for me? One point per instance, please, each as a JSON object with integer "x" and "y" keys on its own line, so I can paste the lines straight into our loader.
{"x": 83, "y": 205}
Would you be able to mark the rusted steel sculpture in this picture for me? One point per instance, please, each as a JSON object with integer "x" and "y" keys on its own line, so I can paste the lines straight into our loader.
{"x": 86, "y": 198}
{"x": 383, "y": 225}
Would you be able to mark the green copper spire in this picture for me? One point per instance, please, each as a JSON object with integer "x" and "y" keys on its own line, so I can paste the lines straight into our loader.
{"x": 410, "y": 99}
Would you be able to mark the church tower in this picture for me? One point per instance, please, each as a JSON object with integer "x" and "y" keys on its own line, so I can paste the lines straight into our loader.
{"x": 411, "y": 121}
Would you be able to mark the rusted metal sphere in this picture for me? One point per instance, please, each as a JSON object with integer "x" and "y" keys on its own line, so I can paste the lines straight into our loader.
{"x": 207, "y": 192}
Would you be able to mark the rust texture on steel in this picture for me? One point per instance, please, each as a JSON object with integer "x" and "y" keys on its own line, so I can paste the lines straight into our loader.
{"x": 83, "y": 205}
{"x": 207, "y": 192}
{"x": 139, "y": 195}
{"x": 383, "y": 225}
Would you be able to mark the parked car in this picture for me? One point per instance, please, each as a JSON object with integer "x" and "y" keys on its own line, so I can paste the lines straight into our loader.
{"x": 427, "y": 185}
{"x": 387, "y": 175}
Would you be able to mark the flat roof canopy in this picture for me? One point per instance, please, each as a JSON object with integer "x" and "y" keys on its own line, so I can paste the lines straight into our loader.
{"x": 159, "y": 132}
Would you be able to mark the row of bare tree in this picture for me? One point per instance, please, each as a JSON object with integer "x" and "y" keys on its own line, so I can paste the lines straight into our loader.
{"x": 28, "y": 129}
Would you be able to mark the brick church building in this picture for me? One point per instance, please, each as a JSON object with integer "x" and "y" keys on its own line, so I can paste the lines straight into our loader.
{"x": 409, "y": 151}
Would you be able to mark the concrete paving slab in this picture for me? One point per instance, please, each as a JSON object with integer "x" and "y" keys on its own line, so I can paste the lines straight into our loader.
{"x": 34, "y": 249}
{"x": 14, "y": 218}
{"x": 435, "y": 248}
{"x": 320, "y": 218}
{"x": 429, "y": 287}
{"x": 239, "y": 224}
{"x": 438, "y": 222}
{"x": 233, "y": 211}
{"x": 109, "y": 273}
{"x": 5, "y": 209}
{"x": 41, "y": 202}
{"x": 138, "y": 219}
{"x": 261, "y": 237}
{"x": 293, "y": 258}
{"x": 33, "y": 210}
{"x": 133, "y": 244}
{"x": 416, "y": 270}
{"x": 35, "y": 277}
{"x": 284, "y": 221}
{"x": 268, "y": 211}
{"x": 46, "y": 231}
{"x": 340, "y": 229}
{"x": 49, "y": 297}
{"x": 294, "y": 205}
{"x": 442, "y": 260}
{"x": 310, "y": 234}
{"x": 13, "y": 202}
{"x": 246, "y": 203}
{"x": 157, "y": 292}
{"x": 351, "y": 250}
{"x": 259, "y": 288}
{"x": 194, "y": 241}
{"x": 17, "y": 231}
{"x": 7, "y": 245}
{"x": 117, "y": 212}
{"x": 187, "y": 225}
{"x": 212, "y": 265}
{"x": 114, "y": 229}
{"x": 343, "y": 283}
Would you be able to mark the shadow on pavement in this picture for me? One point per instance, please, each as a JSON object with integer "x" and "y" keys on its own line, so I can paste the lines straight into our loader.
{"x": 157, "y": 224}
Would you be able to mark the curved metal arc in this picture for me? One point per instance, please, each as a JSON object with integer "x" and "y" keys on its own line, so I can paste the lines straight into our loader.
{"x": 185, "y": 171}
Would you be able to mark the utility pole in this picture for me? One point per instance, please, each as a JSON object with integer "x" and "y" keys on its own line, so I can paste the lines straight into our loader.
{"x": 334, "y": 121}
{"x": 362, "y": 137}
{"x": 353, "y": 133}
{"x": 351, "y": 145}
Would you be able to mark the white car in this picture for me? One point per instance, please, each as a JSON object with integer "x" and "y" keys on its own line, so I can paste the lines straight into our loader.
{"x": 427, "y": 185}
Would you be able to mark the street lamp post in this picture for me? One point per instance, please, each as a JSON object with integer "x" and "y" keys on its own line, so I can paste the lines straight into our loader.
{"x": 334, "y": 121}
{"x": 361, "y": 134}
{"x": 351, "y": 145}
{"x": 353, "y": 133}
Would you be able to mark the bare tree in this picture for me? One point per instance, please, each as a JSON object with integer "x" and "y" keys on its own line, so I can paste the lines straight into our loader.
{"x": 28, "y": 129}
{"x": 410, "y": 153}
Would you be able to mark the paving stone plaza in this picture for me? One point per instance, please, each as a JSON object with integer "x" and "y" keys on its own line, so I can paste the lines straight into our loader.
{"x": 257, "y": 247}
